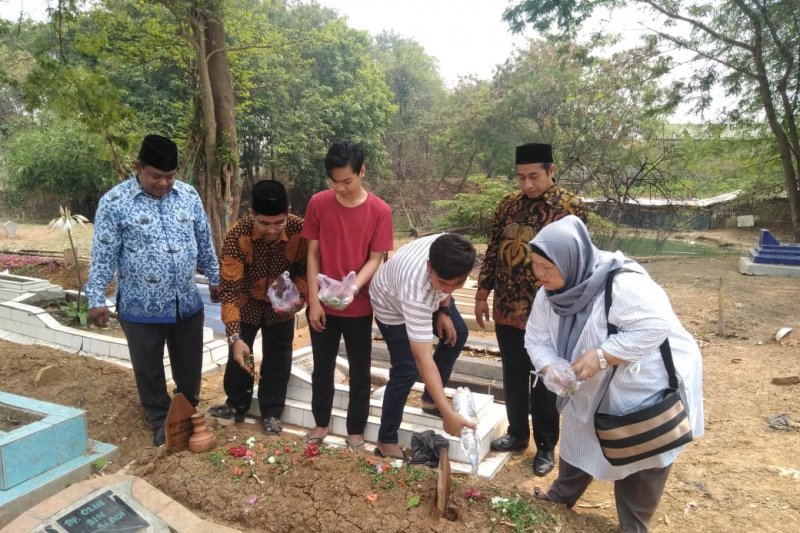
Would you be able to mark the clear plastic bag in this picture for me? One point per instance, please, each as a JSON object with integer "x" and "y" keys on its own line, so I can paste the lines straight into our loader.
{"x": 283, "y": 294}
{"x": 560, "y": 378}
{"x": 337, "y": 294}
{"x": 464, "y": 404}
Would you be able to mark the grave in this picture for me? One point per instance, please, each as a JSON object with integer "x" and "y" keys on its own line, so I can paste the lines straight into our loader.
{"x": 32, "y": 290}
{"x": 46, "y": 451}
{"x": 492, "y": 420}
{"x": 10, "y": 228}
{"x": 112, "y": 503}
{"x": 771, "y": 258}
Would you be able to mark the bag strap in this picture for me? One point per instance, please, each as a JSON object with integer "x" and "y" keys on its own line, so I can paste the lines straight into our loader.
{"x": 666, "y": 351}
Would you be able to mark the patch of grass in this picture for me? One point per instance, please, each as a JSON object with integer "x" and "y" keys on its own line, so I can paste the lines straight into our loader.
{"x": 216, "y": 460}
{"x": 522, "y": 514}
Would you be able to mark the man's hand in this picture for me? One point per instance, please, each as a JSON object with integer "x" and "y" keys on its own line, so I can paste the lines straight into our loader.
{"x": 481, "y": 312}
{"x": 445, "y": 329}
{"x": 99, "y": 316}
{"x": 453, "y": 423}
{"x": 213, "y": 291}
{"x": 240, "y": 351}
{"x": 316, "y": 317}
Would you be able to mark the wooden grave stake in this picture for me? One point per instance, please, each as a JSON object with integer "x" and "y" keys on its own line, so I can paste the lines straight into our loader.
{"x": 178, "y": 426}
{"x": 443, "y": 485}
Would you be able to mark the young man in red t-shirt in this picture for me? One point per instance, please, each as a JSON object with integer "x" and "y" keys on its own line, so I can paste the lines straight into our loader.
{"x": 348, "y": 230}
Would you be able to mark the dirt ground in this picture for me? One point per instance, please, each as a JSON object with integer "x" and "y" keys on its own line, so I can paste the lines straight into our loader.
{"x": 742, "y": 476}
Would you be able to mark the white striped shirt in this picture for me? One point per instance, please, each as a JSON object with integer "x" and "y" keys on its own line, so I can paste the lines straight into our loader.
{"x": 401, "y": 290}
{"x": 641, "y": 310}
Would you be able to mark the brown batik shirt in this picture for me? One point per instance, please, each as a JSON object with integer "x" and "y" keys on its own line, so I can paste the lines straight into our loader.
{"x": 248, "y": 266}
{"x": 507, "y": 267}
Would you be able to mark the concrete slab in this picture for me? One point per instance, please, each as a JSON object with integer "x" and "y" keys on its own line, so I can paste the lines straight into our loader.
{"x": 750, "y": 268}
{"x": 117, "y": 502}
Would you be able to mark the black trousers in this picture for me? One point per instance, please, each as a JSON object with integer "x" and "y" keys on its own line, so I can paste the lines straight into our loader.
{"x": 357, "y": 333}
{"x": 146, "y": 347}
{"x": 521, "y": 397}
{"x": 637, "y": 496}
{"x": 276, "y": 367}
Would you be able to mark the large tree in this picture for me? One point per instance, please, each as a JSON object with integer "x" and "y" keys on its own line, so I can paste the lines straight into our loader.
{"x": 750, "y": 47}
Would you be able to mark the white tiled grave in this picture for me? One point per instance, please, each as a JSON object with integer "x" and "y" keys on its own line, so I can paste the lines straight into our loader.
{"x": 492, "y": 422}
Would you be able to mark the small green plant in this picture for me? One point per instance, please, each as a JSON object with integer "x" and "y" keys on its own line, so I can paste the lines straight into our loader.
{"x": 99, "y": 464}
{"x": 65, "y": 222}
{"x": 523, "y": 514}
{"x": 80, "y": 312}
{"x": 216, "y": 460}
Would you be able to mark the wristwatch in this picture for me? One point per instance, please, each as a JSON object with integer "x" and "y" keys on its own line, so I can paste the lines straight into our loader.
{"x": 445, "y": 310}
{"x": 601, "y": 359}
{"x": 233, "y": 338}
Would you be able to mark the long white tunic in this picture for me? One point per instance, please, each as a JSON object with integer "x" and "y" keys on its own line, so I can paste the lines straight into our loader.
{"x": 641, "y": 310}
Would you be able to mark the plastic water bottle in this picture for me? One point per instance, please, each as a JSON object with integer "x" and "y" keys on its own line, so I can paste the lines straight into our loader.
{"x": 464, "y": 405}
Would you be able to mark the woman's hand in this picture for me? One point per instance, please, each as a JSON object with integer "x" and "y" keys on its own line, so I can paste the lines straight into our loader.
{"x": 587, "y": 365}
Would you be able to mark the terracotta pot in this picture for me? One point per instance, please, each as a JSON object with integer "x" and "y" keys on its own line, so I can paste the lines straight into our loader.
{"x": 202, "y": 439}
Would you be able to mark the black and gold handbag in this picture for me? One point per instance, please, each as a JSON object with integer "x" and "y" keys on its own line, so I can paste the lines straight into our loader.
{"x": 628, "y": 438}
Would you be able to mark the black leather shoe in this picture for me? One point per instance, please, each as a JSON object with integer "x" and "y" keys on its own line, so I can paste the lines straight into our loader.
{"x": 543, "y": 462}
{"x": 508, "y": 443}
{"x": 158, "y": 437}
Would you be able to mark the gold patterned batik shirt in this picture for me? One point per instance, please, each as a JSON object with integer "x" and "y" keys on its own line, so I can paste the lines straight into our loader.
{"x": 507, "y": 267}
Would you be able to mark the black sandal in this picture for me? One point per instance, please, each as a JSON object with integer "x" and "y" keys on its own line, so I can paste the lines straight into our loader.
{"x": 227, "y": 412}
{"x": 380, "y": 454}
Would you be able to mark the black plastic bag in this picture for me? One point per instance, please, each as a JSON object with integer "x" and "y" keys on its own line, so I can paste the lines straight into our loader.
{"x": 425, "y": 448}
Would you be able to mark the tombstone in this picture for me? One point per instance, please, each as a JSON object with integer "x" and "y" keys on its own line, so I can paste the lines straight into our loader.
{"x": 178, "y": 425}
{"x": 745, "y": 221}
{"x": 11, "y": 229}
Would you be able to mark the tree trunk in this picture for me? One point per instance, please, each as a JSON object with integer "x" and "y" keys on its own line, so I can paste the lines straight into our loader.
{"x": 219, "y": 179}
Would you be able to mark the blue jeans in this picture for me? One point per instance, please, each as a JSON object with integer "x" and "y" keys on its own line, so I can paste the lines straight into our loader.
{"x": 404, "y": 373}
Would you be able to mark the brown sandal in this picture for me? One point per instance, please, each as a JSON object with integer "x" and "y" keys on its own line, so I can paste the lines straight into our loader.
{"x": 541, "y": 494}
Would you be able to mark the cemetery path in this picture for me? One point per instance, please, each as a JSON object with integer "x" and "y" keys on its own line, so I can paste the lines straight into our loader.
{"x": 741, "y": 476}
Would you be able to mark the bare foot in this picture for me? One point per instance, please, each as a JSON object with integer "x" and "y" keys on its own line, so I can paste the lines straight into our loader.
{"x": 389, "y": 450}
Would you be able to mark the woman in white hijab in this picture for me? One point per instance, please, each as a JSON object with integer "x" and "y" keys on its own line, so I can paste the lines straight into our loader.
{"x": 568, "y": 322}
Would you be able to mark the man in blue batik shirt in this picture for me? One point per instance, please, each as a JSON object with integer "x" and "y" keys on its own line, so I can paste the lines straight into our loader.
{"x": 152, "y": 232}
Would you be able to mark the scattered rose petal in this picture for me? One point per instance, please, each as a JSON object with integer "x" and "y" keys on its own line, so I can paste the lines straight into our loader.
{"x": 311, "y": 450}
{"x": 379, "y": 468}
{"x": 231, "y": 439}
{"x": 372, "y": 498}
{"x": 238, "y": 451}
{"x": 474, "y": 493}
{"x": 237, "y": 471}
{"x": 271, "y": 460}
{"x": 286, "y": 449}
{"x": 276, "y": 453}
{"x": 397, "y": 463}
{"x": 253, "y": 500}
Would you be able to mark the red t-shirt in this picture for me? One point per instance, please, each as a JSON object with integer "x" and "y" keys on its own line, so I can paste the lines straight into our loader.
{"x": 346, "y": 237}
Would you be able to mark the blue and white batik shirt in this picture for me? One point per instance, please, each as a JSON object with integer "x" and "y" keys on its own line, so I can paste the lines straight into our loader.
{"x": 154, "y": 246}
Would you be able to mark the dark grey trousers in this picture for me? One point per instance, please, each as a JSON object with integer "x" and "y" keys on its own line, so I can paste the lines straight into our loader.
{"x": 146, "y": 347}
{"x": 637, "y": 495}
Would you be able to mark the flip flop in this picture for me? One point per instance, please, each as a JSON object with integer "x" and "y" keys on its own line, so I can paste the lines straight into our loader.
{"x": 355, "y": 447}
{"x": 380, "y": 454}
{"x": 314, "y": 440}
{"x": 227, "y": 412}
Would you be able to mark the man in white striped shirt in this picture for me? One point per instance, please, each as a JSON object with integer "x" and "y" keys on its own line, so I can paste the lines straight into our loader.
{"x": 413, "y": 287}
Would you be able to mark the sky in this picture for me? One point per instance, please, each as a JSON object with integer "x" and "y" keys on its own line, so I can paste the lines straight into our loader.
{"x": 467, "y": 37}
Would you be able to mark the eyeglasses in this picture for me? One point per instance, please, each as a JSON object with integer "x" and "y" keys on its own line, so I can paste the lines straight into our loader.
{"x": 271, "y": 225}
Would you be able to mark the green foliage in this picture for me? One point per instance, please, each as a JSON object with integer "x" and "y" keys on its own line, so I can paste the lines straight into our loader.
{"x": 216, "y": 459}
{"x": 474, "y": 210}
{"x": 76, "y": 311}
{"x": 413, "y": 502}
{"x": 57, "y": 156}
{"x": 523, "y": 514}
